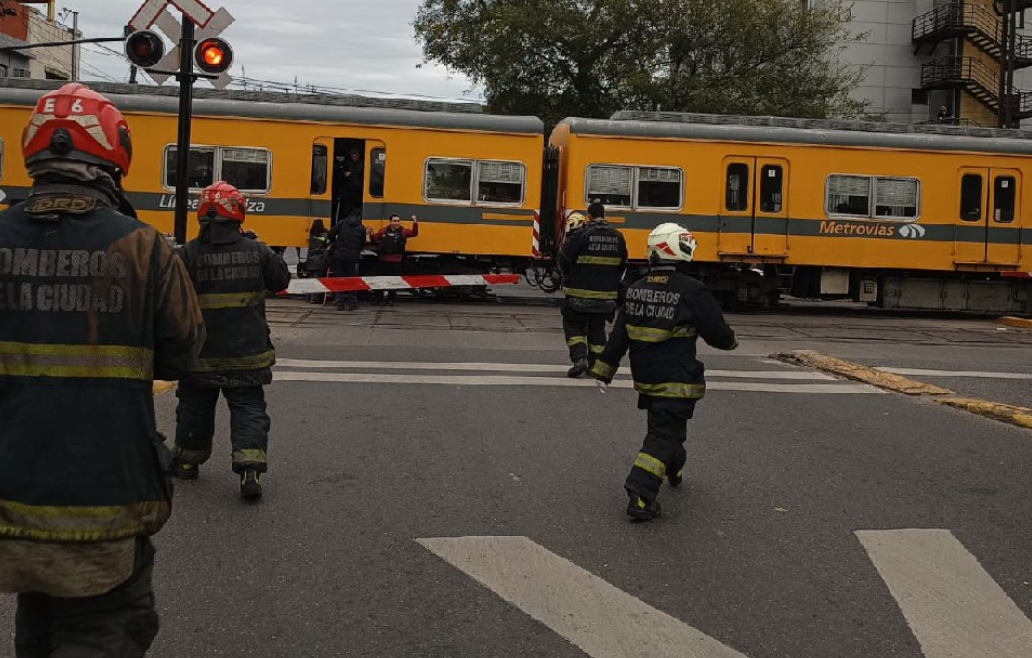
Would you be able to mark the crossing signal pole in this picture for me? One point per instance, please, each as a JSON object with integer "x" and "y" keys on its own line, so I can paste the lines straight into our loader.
{"x": 213, "y": 56}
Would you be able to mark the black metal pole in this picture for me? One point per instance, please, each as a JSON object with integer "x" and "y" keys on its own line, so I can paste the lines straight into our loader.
{"x": 1013, "y": 104}
{"x": 186, "y": 80}
{"x": 1001, "y": 118}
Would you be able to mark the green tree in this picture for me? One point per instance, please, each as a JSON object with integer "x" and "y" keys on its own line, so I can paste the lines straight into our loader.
{"x": 558, "y": 58}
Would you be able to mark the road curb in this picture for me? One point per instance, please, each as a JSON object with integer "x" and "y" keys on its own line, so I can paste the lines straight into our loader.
{"x": 1011, "y": 321}
{"x": 1020, "y": 416}
{"x": 857, "y": 372}
{"x": 162, "y": 387}
{"x": 1005, "y": 413}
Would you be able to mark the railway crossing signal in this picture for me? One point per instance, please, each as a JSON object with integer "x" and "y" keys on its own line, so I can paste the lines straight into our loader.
{"x": 212, "y": 55}
{"x": 144, "y": 48}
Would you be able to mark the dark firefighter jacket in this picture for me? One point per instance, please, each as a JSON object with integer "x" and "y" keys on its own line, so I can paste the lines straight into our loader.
{"x": 231, "y": 274}
{"x": 592, "y": 262}
{"x": 663, "y": 315}
{"x": 94, "y": 306}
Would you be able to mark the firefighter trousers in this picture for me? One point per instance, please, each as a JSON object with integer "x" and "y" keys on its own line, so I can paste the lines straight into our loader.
{"x": 248, "y": 421}
{"x": 663, "y": 451}
{"x": 121, "y": 623}
{"x": 585, "y": 333}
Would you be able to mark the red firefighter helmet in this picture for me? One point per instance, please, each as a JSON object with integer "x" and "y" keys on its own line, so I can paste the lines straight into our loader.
{"x": 223, "y": 200}
{"x": 76, "y": 123}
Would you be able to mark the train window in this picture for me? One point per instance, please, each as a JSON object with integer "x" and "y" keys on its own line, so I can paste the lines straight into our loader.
{"x": 377, "y": 171}
{"x": 610, "y": 185}
{"x": 771, "y": 177}
{"x": 448, "y": 180}
{"x": 737, "y": 196}
{"x": 247, "y": 169}
{"x": 659, "y": 187}
{"x": 971, "y": 197}
{"x": 499, "y": 182}
{"x": 1003, "y": 199}
{"x": 896, "y": 198}
{"x": 319, "y": 163}
{"x": 200, "y": 167}
{"x": 849, "y": 195}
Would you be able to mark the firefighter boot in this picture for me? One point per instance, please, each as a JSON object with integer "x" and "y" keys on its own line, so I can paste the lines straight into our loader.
{"x": 185, "y": 470}
{"x": 675, "y": 479}
{"x": 640, "y": 509}
{"x": 250, "y": 486}
{"x": 580, "y": 366}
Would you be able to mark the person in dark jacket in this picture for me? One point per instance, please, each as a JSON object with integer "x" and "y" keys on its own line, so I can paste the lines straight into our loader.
{"x": 348, "y": 239}
{"x": 353, "y": 171}
{"x": 317, "y": 257}
{"x": 231, "y": 274}
{"x": 592, "y": 261}
{"x": 94, "y": 305}
{"x": 663, "y": 315}
{"x": 391, "y": 242}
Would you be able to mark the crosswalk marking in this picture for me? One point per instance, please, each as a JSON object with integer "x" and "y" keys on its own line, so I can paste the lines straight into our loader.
{"x": 953, "y": 606}
{"x": 926, "y": 372}
{"x": 600, "y": 619}
{"x": 504, "y": 380}
{"x": 784, "y": 374}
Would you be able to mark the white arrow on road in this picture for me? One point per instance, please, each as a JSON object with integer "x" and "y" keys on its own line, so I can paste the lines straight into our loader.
{"x": 603, "y": 621}
{"x": 954, "y": 608}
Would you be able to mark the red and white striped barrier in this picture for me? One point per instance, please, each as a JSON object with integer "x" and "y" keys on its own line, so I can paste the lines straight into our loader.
{"x": 357, "y": 283}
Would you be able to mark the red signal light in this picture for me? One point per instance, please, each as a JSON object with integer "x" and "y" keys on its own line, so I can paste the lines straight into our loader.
{"x": 213, "y": 55}
{"x": 144, "y": 48}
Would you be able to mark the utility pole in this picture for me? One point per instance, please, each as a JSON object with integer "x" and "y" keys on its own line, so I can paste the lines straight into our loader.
{"x": 75, "y": 47}
{"x": 186, "y": 81}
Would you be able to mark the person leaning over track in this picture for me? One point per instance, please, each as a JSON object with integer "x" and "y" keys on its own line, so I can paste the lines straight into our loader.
{"x": 231, "y": 274}
{"x": 663, "y": 315}
{"x": 93, "y": 306}
{"x": 592, "y": 262}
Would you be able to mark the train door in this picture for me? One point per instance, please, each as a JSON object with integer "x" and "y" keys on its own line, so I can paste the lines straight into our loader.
{"x": 374, "y": 205}
{"x": 753, "y": 216}
{"x": 319, "y": 200}
{"x": 989, "y": 221}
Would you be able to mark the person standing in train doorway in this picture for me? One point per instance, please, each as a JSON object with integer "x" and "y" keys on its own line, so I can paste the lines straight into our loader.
{"x": 391, "y": 242}
{"x": 663, "y": 315}
{"x": 592, "y": 262}
{"x": 231, "y": 274}
{"x": 354, "y": 172}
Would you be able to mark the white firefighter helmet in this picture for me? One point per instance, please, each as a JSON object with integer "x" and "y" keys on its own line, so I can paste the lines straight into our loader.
{"x": 574, "y": 221}
{"x": 671, "y": 242}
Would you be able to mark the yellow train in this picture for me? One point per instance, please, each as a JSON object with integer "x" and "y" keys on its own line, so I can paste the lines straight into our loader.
{"x": 901, "y": 216}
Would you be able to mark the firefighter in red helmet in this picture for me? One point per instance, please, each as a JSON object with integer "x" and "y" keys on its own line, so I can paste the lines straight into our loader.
{"x": 231, "y": 275}
{"x": 93, "y": 306}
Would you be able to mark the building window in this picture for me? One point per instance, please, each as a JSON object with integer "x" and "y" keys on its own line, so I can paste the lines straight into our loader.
{"x": 247, "y": 169}
{"x": 20, "y": 73}
{"x": 3, "y": 71}
{"x": 892, "y": 198}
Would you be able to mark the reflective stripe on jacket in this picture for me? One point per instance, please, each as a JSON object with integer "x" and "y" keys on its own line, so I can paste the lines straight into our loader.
{"x": 663, "y": 315}
{"x": 93, "y": 306}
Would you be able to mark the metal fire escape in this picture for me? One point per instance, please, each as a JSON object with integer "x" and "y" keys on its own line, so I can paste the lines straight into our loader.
{"x": 984, "y": 29}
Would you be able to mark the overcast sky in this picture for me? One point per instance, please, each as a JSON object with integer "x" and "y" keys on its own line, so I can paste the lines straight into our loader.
{"x": 350, "y": 44}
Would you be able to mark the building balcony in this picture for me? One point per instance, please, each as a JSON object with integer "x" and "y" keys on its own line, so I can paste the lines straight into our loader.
{"x": 977, "y": 79}
{"x": 979, "y": 25}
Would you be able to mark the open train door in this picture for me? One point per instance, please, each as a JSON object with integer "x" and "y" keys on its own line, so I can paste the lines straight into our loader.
{"x": 319, "y": 198}
{"x": 374, "y": 202}
{"x": 753, "y": 220}
{"x": 989, "y": 218}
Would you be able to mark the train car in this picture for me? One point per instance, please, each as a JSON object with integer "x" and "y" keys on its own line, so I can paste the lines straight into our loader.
{"x": 901, "y": 216}
{"x": 474, "y": 180}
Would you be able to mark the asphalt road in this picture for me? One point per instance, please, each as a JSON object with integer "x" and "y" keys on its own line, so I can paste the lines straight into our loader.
{"x": 428, "y": 421}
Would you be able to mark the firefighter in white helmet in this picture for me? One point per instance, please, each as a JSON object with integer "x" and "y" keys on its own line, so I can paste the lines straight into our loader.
{"x": 663, "y": 315}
